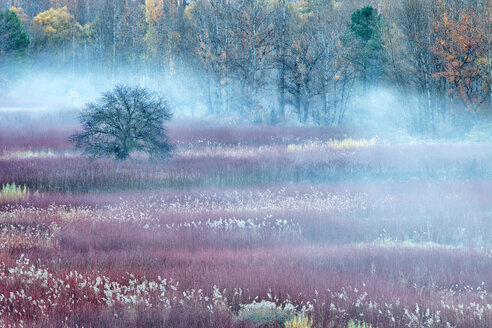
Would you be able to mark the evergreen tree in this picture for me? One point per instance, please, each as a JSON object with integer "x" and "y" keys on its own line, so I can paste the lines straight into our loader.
{"x": 365, "y": 43}
{"x": 14, "y": 40}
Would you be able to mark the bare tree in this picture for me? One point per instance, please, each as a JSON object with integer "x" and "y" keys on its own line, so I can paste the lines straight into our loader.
{"x": 123, "y": 121}
{"x": 414, "y": 19}
{"x": 336, "y": 72}
{"x": 283, "y": 16}
{"x": 305, "y": 54}
{"x": 252, "y": 29}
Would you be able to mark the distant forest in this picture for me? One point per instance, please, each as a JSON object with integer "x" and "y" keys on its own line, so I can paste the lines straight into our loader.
{"x": 270, "y": 60}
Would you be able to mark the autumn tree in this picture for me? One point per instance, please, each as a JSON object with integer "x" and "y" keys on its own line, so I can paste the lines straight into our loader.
{"x": 53, "y": 27}
{"x": 460, "y": 47}
{"x": 55, "y": 33}
{"x": 24, "y": 18}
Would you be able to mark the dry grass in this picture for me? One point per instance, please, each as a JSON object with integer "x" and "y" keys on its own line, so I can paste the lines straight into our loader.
{"x": 13, "y": 192}
{"x": 337, "y": 144}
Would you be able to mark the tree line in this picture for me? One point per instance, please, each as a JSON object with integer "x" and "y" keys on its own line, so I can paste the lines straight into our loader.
{"x": 272, "y": 60}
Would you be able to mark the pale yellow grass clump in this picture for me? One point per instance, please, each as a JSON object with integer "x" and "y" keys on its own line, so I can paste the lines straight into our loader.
{"x": 299, "y": 321}
{"x": 12, "y": 192}
{"x": 351, "y": 143}
{"x": 343, "y": 144}
{"x": 353, "y": 324}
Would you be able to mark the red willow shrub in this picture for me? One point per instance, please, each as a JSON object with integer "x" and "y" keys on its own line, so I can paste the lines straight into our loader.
{"x": 77, "y": 175}
{"x": 238, "y": 222}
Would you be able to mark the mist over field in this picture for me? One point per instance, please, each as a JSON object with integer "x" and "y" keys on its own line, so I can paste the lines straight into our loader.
{"x": 210, "y": 163}
{"x": 57, "y": 97}
{"x": 314, "y": 62}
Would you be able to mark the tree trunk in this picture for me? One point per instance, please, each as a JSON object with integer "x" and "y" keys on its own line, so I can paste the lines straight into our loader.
{"x": 73, "y": 52}
{"x": 281, "y": 86}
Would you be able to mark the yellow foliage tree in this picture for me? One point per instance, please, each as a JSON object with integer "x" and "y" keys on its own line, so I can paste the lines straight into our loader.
{"x": 20, "y": 13}
{"x": 150, "y": 18}
{"x": 53, "y": 27}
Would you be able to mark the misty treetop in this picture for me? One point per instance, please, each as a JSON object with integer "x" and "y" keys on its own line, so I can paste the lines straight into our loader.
{"x": 276, "y": 60}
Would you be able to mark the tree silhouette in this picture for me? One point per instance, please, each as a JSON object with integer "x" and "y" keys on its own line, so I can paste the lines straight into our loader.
{"x": 123, "y": 121}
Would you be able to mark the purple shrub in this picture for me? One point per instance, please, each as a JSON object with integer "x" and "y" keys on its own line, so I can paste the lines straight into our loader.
{"x": 369, "y": 234}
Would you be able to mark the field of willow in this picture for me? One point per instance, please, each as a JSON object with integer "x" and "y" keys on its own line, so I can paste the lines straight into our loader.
{"x": 246, "y": 227}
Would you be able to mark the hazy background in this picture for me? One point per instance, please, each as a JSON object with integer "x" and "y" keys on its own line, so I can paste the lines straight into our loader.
{"x": 400, "y": 68}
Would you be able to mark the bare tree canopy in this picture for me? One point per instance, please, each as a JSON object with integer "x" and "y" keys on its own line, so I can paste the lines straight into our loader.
{"x": 123, "y": 121}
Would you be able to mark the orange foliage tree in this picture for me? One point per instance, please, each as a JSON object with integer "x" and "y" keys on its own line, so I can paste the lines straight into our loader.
{"x": 460, "y": 48}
